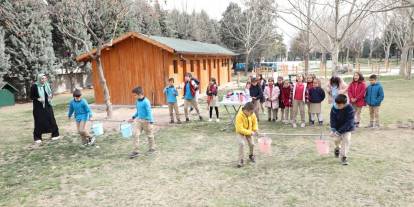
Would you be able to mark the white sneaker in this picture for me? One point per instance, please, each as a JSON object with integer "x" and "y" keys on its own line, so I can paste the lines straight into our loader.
{"x": 55, "y": 138}
{"x": 210, "y": 120}
{"x": 91, "y": 141}
{"x": 302, "y": 125}
{"x": 217, "y": 120}
{"x": 38, "y": 141}
{"x": 294, "y": 125}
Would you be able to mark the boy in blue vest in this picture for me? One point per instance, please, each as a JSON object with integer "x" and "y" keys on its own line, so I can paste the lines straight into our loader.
{"x": 342, "y": 124}
{"x": 171, "y": 93}
{"x": 374, "y": 97}
{"x": 145, "y": 121}
{"x": 79, "y": 106}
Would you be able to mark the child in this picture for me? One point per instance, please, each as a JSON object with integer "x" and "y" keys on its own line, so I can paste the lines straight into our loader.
{"x": 262, "y": 84}
{"x": 309, "y": 84}
{"x": 279, "y": 84}
{"x": 356, "y": 94}
{"x": 83, "y": 113}
{"x": 271, "y": 94}
{"x": 286, "y": 101}
{"x": 171, "y": 93}
{"x": 212, "y": 99}
{"x": 145, "y": 121}
{"x": 247, "y": 88}
{"x": 299, "y": 91}
{"x": 342, "y": 124}
{"x": 335, "y": 87}
{"x": 246, "y": 126}
{"x": 256, "y": 94}
{"x": 316, "y": 96}
{"x": 190, "y": 98}
{"x": 374, "y": 97}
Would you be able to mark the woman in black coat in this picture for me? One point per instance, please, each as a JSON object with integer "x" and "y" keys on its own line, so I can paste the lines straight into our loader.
{"x": 44, "y": 118}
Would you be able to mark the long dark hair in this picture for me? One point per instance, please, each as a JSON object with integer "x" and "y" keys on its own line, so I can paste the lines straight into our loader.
{"x": 335, "y": 81}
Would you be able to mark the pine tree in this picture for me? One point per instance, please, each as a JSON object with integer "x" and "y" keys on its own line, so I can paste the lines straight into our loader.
{"x": 28, "y": 40}
{"x": 4, "y": 59}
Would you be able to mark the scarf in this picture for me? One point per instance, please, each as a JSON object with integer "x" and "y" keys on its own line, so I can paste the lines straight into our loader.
{"x": 41, "y": 88}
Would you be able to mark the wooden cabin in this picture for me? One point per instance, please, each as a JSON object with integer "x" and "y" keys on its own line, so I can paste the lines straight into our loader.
{"x": 149, "y": 61}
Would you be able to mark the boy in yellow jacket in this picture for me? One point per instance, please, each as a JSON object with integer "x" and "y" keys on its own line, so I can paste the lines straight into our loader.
{"x": 246, "y": 127}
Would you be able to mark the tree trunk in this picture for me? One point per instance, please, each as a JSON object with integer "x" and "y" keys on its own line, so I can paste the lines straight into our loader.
{"x": 409, "y": 65}
{"x": 347, "y": 57}
{"x": 107, "y": 97}
{"x": 246, "y": 61}
{"x": 72, "y": 84}
{"x": 387, "y": 58}
{"x": 335, "y": 56}
{"x": 403, "y": 62}
{"x": 306, "y": 60}
{"x": 370, "y": 56}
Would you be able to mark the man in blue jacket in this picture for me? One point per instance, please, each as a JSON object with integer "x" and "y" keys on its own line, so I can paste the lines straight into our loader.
{"x": 342, "y": 124}
{"x": 373, "y": 97}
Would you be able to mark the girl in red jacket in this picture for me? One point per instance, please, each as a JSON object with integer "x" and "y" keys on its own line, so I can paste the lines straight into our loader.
{"x": 356, "y": 93}
{"x": 286, "y": 99}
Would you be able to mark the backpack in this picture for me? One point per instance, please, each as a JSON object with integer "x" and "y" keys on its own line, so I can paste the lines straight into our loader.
{"x": 197, "y": 82}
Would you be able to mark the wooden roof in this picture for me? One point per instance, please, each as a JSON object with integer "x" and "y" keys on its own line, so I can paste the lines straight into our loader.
{"x": 169, "y": 44}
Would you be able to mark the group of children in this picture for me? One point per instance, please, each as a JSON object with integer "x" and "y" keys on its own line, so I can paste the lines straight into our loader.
{"x": 291, "y": 98}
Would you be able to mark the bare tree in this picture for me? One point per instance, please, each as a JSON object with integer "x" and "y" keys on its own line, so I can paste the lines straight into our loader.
{"x": 253, "y": 27}
{"x": 101, "y": 18}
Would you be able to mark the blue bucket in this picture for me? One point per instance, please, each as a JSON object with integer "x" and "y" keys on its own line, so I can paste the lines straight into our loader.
{"x": 126, "y": 130}
{"x": 97, "y": 128}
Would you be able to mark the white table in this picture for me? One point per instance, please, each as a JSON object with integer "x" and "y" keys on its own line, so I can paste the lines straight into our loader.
{"x": 236, "y": 105}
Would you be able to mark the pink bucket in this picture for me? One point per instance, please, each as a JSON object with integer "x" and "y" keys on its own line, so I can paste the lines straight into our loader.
{"x": 265, "y": 145}
{"x": 322, "y": 146}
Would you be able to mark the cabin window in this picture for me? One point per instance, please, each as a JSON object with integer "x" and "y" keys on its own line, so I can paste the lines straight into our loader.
{"x": 192, "y": 66}
{"x": 175, "y": 64}
{"x": 204, "y": 65}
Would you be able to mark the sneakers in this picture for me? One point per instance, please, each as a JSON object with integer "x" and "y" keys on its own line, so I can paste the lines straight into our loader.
{"x": 371, "y": 125}
{"x": 269, "y": 119}
{"x": 55, "y": 138}
{"x": 133, "y": 155}
{"x": 302, "y": 125}
{"x": 187, "y": 120}
{"x": 172, "y": 122}
{"x": 357, "y": 124}
{"x": 320, "y": 123}
{"x": 344, "y": 161}
{"x": 336, "y": 152}
{"x": 294, "y": 125}
{"x": 240, "y": 164}
{"x": 210, "y": 120}
{"x": 91, "y": 141}
{"x": 201, "y": 118}
{"x": 252, "y": 158}
{"x": 217, "y": 120}
{"x": 274, "y": 120}
{"x": 38, "y": 142}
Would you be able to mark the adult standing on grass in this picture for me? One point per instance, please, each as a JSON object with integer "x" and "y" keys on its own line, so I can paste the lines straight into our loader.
{"x": 44, "y": 118}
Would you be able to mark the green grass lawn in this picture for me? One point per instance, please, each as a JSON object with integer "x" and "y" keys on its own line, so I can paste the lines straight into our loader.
{"x": 195, "y": 165}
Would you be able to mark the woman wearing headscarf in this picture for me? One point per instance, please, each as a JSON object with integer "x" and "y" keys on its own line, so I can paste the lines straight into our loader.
{"x": 44, "y": 119}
